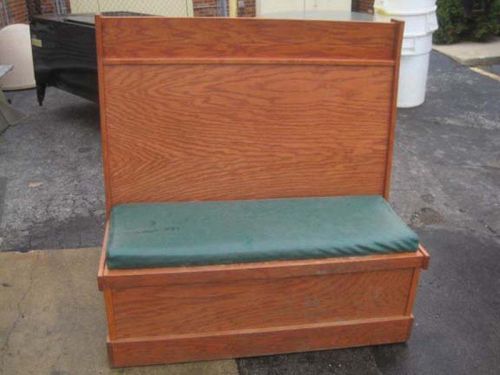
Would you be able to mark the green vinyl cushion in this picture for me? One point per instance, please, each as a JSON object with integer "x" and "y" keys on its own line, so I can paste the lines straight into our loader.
{"x": 202, "y": 233}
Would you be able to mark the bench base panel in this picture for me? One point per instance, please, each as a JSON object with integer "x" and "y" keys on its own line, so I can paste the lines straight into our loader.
{"x": 255, "y": 342}
{"x": 179, "y": 314}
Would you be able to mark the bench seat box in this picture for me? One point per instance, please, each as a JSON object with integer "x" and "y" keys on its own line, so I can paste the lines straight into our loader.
{"x": 245, "y": 278}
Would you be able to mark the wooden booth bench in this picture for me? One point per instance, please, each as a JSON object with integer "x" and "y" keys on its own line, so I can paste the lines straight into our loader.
{"x": 247, "y": 166}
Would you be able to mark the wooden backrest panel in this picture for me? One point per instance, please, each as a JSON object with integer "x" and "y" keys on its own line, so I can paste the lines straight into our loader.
{"x": 205, "y": 109}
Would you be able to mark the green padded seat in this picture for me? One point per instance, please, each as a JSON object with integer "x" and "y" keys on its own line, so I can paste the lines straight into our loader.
{"x": 202, "y": 233}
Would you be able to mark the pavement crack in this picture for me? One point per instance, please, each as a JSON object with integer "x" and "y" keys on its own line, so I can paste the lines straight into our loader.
{"x": 20, "y": 314}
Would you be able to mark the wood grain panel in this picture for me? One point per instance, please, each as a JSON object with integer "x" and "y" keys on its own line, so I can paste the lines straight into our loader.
{"x": 139, "y": 37}
{"x": 247, "y": 343}
{"x": 214, "y": 307}
{"x": 199, "y": 132}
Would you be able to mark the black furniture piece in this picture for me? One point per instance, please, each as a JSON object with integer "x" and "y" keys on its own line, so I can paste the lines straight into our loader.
{"x": 64, "y": 53}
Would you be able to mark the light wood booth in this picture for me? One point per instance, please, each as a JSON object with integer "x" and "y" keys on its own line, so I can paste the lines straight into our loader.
{"x": 239, "y": 109}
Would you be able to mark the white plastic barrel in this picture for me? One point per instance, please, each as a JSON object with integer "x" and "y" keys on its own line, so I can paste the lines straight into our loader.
{"x": 420, "y": 22}
{"x": 15, "y": 49}
{"x": 417, "y": 22}
{"x": 395, "y": 6}
{"x": 416, "y": 45}
{"x": 412, "y": 80}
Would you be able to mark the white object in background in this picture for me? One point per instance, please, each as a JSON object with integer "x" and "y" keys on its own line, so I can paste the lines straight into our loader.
{"x": 327, "y": 5}
{"x": 417, "y": 22}
{"x": 263, "y": 7}
{"x": 420, "y": 22}
{"x": 413, "y": 71}
{"x": 417, "y": 45}
{"x": 269, "y": 7}
{"x": 394, "y": 6}
{"x": 170, "y": 8}
{"x": 15, "y": 49}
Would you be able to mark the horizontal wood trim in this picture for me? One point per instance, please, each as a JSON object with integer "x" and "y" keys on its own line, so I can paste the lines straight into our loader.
{"x": 136, "y": 37}
{"x": 245, "y": 61}
{"x": 141, "y": 277}
{"x": 253, "y": 342}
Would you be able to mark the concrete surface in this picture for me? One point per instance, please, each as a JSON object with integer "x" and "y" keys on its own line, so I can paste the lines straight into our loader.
{"x": 50, "y": 174}
{"x": 52, "y": 319}
{"x": 495, "y": 69}
{"x": 446, "y": 185}
{"x": 489, "y": 71}
{"x": 472, "y": 53}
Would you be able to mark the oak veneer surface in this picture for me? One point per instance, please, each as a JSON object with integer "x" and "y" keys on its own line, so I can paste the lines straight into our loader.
{"x": 179, "y": 309}
{"x": 253, "y": 342}
{"x": 234, "y": 110}
{"x": 209, "y": 299}
{"x": 190, "y": 133}
{"x": 161, "y": 38}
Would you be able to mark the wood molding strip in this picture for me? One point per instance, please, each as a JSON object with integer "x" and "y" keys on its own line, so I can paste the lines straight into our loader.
{"x": 130, "y": 278}
{"x": 393, "y": 106}
{"x": 102, "y": 115}
{"x": 263, "y": 341}
{"x": 244, "y": 61}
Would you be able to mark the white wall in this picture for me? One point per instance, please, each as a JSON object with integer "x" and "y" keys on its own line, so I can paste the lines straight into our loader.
{"x": 172, "y": 8}
{"x": 264, "y": 7}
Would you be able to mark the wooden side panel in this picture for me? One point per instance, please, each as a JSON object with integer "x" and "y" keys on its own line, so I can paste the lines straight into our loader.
{"x": 216, "y": 132}
{"x": 399, "y": 27}
{"x": 153, "y": 38}
{"x": 216, "y": 307}
{"x": 413, "y": 291}
{"x": 246, "y": 343}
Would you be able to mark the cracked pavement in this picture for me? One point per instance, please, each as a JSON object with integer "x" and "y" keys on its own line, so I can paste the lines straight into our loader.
{"x": 50, "y": 175}
{"x": 446, "y": 185}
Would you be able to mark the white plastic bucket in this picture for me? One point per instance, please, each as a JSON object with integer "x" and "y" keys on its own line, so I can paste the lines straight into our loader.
{"x": 420, "y": 21}
{"x": 417, "y": 22}
{"x": 413, "y": 68}
{"x": 416, "y": 45}
{"x": 414, "y": 65}
{"x": 396, "y": 6}
{"x": 412, "y": 80}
